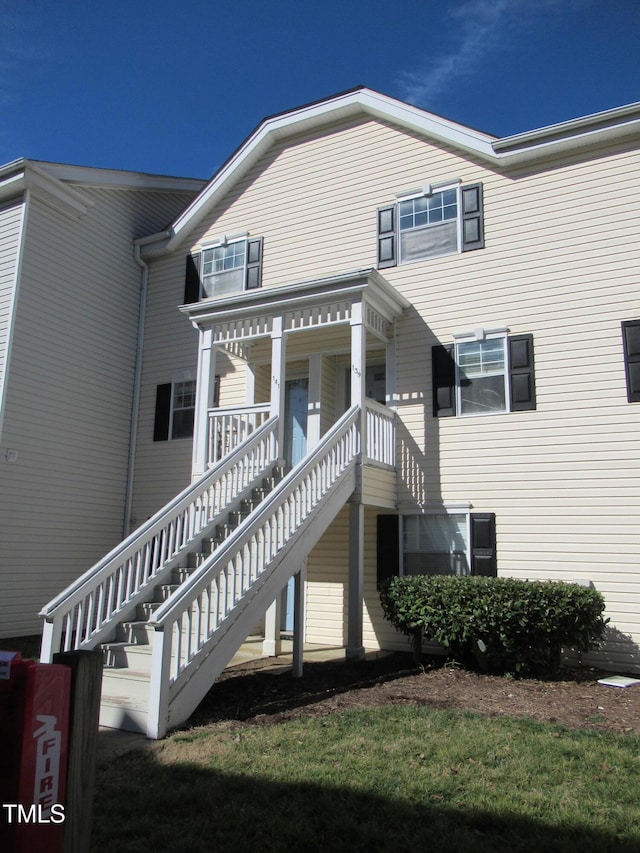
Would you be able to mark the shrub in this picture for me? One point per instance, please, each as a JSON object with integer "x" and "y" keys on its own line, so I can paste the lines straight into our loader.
{"x": 496, "y": 624}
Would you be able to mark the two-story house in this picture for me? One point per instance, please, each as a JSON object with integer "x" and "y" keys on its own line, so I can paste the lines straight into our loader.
{"x": 376, "y": 341}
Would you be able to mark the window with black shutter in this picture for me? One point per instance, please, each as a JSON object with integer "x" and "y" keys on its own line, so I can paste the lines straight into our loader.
{"x": 483, "y": 375}
{"x": 387, "y": 547}
{"x": 229, "y": 266}
{"x": 431, "y": 222}
{"x": 631, "y": 346}
{"x": 175, "y": 410}
{"x": 192, "y": 282}
{"x": 483, "y": 544}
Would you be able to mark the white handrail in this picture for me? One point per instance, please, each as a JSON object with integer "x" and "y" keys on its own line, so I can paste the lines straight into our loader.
{"x": 82, "y": 615}
{"x": 381, "y": 434}
{"x": 188, "y": 621}
{"x": 230, "y": 426}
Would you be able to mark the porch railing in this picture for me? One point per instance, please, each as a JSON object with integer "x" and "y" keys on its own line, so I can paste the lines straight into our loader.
{"x": 85, "y": 613}
{"x": 189, "y": 625}
{"x": 381, "y": 434}
{"x": 229, "y": 427}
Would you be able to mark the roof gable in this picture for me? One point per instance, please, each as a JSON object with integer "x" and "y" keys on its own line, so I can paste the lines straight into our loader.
{"x": 525, "y": 147}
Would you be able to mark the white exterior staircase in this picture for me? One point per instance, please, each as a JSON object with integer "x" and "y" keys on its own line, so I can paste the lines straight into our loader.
{"x": 174, "y": 601}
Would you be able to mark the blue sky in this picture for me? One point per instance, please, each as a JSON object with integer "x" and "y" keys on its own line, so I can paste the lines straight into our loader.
{"x": 174, "y": 87}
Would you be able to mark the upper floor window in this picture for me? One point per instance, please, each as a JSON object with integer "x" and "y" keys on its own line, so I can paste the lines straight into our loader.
{"x": 430, "y": 223}
{"x": 483, "y": 373}
{"x": 231, "y": 265}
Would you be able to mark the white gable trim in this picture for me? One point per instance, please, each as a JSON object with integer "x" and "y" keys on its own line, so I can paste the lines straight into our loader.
{"x": 512, "y": 150}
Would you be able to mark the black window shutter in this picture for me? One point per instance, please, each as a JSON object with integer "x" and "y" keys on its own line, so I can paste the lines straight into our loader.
{"x": 387, "y": 252}
{"x": 522, "y": 383}
{"x": 631, "y": 343}
{"x": 254, "y": 264}
{"x": 163, "y": 413}
{"x": 192, "y": 279}
{"x": 443, "y": 368}
{"x": 388, "y": 547}
{"x": 472, "y": 218}
{"x": 483, "y": 544}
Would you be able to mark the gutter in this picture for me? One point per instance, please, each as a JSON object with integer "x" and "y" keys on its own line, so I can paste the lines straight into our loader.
{"x": 137, "y": 384}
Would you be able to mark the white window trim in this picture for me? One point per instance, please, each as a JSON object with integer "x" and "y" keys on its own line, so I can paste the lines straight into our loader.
{"x": 222, "y": 241}
{"x": 429, "y": 189}
{"x": 449, "y": 509}
{"x": 172, "y": 408}
{"x": 483, "y": 333}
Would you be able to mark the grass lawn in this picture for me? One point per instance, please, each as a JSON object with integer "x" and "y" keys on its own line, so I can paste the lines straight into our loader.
{"x": 387, "y": 779}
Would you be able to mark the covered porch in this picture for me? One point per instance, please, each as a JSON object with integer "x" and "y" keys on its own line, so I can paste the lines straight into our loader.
{"x": 308, "y": 352}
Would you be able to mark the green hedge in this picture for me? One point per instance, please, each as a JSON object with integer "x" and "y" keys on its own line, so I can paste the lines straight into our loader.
{"x": 496, "y": 624}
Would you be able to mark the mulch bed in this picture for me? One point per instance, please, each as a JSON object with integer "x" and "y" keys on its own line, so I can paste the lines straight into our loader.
{"x": 261, "y": 693}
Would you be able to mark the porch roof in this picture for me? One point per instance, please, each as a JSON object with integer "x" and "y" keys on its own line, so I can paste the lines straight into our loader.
{"x": 304, "y": 305}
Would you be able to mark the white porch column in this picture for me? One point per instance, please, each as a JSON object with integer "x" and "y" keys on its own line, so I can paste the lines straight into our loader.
{"x": 204, "y": 401}
{"x": 278, "y": 371}
{"x": 314, "y": 426}
{"x": 391, "y": 396}
{"x": 359, "y": 369}
{"x": 298, "y": 620}
{"x": 272, "y": 643}
{"x": 355, "y": 648}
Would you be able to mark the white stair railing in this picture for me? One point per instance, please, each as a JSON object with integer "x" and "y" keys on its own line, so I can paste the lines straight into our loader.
{"x": 88, "y": 610}
{"x": 204, "y": 610}
{"x": 229, "y": 427}
{"x": 381, "y": 434}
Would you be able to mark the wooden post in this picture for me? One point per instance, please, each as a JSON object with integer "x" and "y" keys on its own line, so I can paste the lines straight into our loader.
{"x": 204, "y": 401}
{"x": 272, "y": 643}
{"x": 278, "y": 371}
{"x": 298, "y": 621}
{"x": 84, "y": 715}
{"x": 355, "y": 593}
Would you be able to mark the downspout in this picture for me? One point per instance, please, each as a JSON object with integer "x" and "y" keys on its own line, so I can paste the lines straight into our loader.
{"x": 137, "y": 377}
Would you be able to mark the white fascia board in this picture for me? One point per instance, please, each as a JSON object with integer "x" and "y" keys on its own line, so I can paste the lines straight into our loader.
{"x": 53, "y": 191}
{"x": 118, "y": 179}
{"x": 12, "y": 186}
{"x": 428, "y": 124}
{"x": 615, "y": 120}
{"x": 380, "y": 294}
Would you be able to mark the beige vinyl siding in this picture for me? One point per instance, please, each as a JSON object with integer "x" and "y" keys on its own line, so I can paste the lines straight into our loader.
{"x": 563, "y": 480}
{"x": 162, "y": 468}
{"x": 314, "y": 200}
{"x": 561, "y": 263}
{"x": 326, "y": 588}
{"x": 10, "y": 228}
{"x": 69, "y": 394}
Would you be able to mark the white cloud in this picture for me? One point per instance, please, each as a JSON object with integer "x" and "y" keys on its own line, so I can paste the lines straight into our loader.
{"x": 481, "y": 28}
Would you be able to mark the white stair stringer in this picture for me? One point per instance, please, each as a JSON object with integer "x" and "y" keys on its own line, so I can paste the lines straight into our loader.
{"x": 215, "y": 656}
{"x": 88, "y": 611}
{"x": 200, "y": 627}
